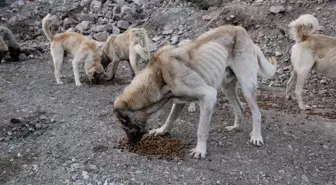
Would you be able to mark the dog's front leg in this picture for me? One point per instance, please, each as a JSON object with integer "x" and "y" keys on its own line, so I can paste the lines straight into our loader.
{"x": 173, "y": 115}
{"x": 206, "y": 103}
{"x": 75, "y": 66}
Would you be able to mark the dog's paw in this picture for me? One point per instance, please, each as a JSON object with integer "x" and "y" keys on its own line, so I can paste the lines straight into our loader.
{"x": 256, "y": 139}
{"x": 157, "y": 132}
{"x": 229, "y": 128}
{"x": 78, "y": 84}
{"x": 198, "y": 153}
{"x": 288, "y": 97}
{"x": 59, "y": 82}
{"x": 192, "y": 107}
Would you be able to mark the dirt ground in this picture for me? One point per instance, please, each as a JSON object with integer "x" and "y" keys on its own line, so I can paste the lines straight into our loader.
{"x": 78, "y": 146}
{"x": 63, "y": 134}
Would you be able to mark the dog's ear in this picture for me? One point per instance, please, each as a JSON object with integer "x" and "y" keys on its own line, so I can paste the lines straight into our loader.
{"x": 123, "y": 116}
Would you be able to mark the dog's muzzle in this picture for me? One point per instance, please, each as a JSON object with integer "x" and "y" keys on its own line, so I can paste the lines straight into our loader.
{"x": 134, "y": 134}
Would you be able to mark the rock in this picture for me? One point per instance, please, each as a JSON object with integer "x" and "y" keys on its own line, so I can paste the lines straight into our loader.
{"x": 83, "y": 26}
{"x": 85, "y": 17}
{"x": 71, "y": 30}
{"x": 277, "y": 9}
{"x": 67, "y": 22}
{"x": 38, "y": 126}
{"x": 98, "y": 28}
{"x": 167, "y": 32}
{"x": 116, "y": 30}
{"x": 126, "y": 10}
{"x": 101, "y": 36}
{"x": 156, "y": 38}
{"x": 174, "y": 39}
{"x": 206, "y": 18}
{"x": 85, "y": 175}
{"x": 85, "y": 2}
{"x": 95, "y": 6}
{"x": 305, "y": 179}
{"x": 123, "y": 24}
{"x": 323, "y": 81}
{"x": 278, "y": 53}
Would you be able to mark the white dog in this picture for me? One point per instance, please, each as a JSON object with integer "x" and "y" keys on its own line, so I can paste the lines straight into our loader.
{"x": 221, "y": 57}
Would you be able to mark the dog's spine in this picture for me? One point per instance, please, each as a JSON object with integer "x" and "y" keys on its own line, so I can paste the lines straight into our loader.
{"x": 303, "y": 26}
{"x": 46, "y": 29}
{"x": 266, "y": 68}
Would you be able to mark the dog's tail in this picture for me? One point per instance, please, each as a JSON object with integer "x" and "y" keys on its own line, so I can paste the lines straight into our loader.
{"x": 144, "y": 53}
{"x": 266, "y": 68}
{"x": 303, "y": 26}
{"x": 46, "y": 29}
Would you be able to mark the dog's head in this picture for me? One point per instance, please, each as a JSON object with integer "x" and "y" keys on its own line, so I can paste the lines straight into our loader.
{"x": 133, "y": 126}
{"x": 95, "y": 72}
{"x": 14, "y": 53}
{"x": 3, "y": 54}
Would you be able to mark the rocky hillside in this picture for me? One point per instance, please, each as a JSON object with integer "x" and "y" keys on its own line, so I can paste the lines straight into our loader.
{"x": 266, "y": 21}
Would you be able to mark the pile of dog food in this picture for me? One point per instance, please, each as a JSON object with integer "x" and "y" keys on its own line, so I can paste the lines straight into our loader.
{"x": 160, "y": 146}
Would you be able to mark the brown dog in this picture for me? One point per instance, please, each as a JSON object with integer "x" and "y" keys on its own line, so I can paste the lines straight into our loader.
{"x": 310, "y": 51}
{"x": 132, "y": 46}
{"x": 193, "y": 71}
{"x": 80, "y": 47}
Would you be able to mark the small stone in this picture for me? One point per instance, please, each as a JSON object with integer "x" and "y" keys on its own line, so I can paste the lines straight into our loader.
{"x": 126, "y": 10}
{"x": 323, "y": 81}
{"x": 67, "y": 23}
{"x": 259, "y": 1}
{"x": 325, "y": 147}
{"x": 83, "y": 26}
{"x": 93, "y": 167}
{"x": 35, "y": 167}
{"x": 85, "y": 2}
{"x": 206, "y": 18}
{"x": 38, "y": 126}
{"x": 167, "y": 31}
{"x": 98, "y": 28}
{"x": 123, "y": 24}
{"x": 53, "y": 120}
{"x": 305, "y": 179}
{"x": 156, "y": 38}
{"x": 85, "y": 175}
{"x": 278, "y": 53}
{"x": 174, "y": 39}
{"x": 102, "y": 36}
{"x": 19, "y": 155}
{"x": 95, "y": 6}
{"x": 218, "y": 182}
{"x": 277, "y": 9}
{"x": 71, "y": 30}
{"x": 85, "y": 17}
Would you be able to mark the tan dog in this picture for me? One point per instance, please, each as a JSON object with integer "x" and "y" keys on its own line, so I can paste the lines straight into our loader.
{"x": 310, "y": 51}
{"x": 80, "y": 47}
{"x": 132, "y": 45}
{"x": 221, "y": 57}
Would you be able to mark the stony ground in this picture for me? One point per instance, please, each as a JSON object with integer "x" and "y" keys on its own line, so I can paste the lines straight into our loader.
{"x": 66, "y": 135}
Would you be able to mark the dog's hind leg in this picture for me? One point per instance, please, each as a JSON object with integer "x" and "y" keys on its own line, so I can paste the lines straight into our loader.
{"x": 57, "y": 54}
{"x": 230, "y": 91}
{"x": 133, "y": 59}
{"x": 112, "y": 69}
{"x": 290, "y": 84}
{"x": 173, "y": 115}
{"x": 301, "y": 78}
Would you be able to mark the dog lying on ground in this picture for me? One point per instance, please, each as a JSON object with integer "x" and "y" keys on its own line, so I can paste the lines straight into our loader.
{"x": 221, "y": 57}
{"x": 8, "y": 44}
{"x": 132, "y": 45}
{"x": 80, "y": 47}
{"x": 310, "y": 51}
